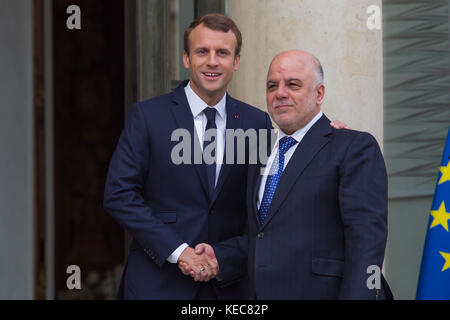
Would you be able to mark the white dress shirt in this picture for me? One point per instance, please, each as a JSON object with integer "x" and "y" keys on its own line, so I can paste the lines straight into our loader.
{"x": 298, "y": 136}
{"x": 197, "y": 106}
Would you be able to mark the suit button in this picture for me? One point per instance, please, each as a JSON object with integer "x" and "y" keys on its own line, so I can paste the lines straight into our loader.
{"x": 260, "y": 235}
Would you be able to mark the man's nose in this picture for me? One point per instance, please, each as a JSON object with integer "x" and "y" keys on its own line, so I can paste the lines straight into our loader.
{"x": 281, "y": 92}
{"x": 212, "y": 60}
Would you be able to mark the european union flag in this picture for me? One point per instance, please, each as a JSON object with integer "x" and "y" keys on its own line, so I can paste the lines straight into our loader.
{"x": 434, "y": 279}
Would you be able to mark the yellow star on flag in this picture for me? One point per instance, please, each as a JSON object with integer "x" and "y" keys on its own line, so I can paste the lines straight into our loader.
{"x": 445, "y": 173}
{"x": 441, "y": 217}
{"x": 446, "y": 256}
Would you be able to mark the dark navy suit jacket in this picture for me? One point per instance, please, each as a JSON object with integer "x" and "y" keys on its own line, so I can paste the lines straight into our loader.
{"x": 162, "y": 204}
{"x": 327, "y": 222}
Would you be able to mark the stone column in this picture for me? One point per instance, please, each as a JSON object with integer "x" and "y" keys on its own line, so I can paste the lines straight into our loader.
{"x": 152, "y": 48}
{"x": 17, "y": 151}
{"x": 203, "y": 7}
{"x": 336, "y": 32}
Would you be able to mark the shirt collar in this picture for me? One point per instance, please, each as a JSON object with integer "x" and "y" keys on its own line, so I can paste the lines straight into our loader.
{"x": 197, "y": 105}
{"x": 300, "y": 133}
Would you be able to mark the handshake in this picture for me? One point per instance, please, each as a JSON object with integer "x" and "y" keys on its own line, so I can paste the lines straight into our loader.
{"x": 199, "y": 263}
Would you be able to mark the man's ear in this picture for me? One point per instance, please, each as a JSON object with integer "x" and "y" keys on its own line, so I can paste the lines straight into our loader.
{"x": 320, "y": 93}
{"x": 186, "y": 61}
{"x": 236, "y": 62}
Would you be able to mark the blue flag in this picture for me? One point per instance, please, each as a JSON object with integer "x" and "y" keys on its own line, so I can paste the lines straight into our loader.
{"x": 434, "y": 279}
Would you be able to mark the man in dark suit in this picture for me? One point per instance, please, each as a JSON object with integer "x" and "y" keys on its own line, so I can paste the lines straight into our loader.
{"x": 168, "y": 208}
{"x": 318, "y": 210}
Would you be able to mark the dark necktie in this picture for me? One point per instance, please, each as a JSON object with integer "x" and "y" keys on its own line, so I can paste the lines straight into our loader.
{"x": 272, "y": 179}
{"x": 210, "y": 168}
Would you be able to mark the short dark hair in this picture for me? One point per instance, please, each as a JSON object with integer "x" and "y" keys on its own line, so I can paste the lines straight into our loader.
{"x": 214, "y": 21}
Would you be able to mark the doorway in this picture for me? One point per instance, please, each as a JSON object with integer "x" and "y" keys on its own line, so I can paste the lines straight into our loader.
{"x": 88, "y": 116}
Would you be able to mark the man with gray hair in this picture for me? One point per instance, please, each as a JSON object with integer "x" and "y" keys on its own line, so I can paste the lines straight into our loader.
{"x": 317, "y": 214}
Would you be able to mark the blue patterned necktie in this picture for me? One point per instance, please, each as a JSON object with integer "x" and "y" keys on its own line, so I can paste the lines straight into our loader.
{"x": 272, "y": 179}
{"x": 210, "y": 168}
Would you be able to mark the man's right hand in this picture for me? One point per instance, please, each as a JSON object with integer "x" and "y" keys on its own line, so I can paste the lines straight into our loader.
{"x": 200, "y": 263}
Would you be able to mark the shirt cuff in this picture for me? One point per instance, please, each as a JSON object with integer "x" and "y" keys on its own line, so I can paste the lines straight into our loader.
{"x": 173, "y": 258}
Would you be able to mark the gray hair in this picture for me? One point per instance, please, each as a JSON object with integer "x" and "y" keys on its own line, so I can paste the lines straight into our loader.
{"x": 319, "y": 77}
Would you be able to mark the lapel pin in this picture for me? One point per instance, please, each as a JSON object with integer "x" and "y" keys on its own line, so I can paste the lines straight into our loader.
{"x": 236, "y": 116}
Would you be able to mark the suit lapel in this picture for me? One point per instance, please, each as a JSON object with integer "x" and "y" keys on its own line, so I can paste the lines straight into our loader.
{"x": 256, "y": 180}
{"x": 234, "y": 122}
{"x": 314, "y": 140}
{"x": 184, "y": 118}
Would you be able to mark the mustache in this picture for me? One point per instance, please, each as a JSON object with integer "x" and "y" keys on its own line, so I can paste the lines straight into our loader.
{"x": 282, "y": 103}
